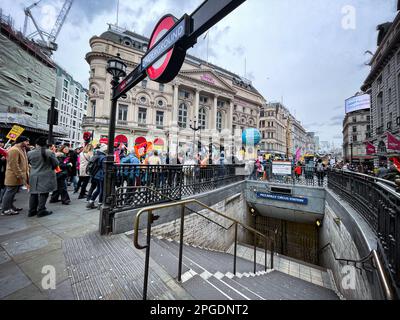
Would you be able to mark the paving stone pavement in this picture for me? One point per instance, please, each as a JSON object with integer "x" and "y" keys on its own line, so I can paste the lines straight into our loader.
{"x": 27, "y": 245}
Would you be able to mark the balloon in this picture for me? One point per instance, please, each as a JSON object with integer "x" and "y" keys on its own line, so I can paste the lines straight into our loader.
{"x": 251, "y": 137}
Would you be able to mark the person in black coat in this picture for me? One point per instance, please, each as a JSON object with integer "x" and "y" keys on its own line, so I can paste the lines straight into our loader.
{"x": 62, "y": 176}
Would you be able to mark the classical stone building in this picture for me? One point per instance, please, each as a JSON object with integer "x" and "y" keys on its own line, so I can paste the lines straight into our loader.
{"x": 274, "y": 124}
{"x": 383, "y": 84}
{"x": 282, "y": 134}
{"x": 72, "y": 102}
{"x": 298, "y": 137}
{"x": 356, "y": 131}
{"x": 202, "y": 95}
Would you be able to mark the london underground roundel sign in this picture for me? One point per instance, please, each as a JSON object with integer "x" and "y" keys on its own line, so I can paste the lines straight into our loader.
{"x": 167, "y": 67}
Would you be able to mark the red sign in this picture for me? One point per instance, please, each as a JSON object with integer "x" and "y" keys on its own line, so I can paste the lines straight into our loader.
{"x": 393, "y": 142}
{"x": 370, "y": 148}
{"x": 167, "y": 66}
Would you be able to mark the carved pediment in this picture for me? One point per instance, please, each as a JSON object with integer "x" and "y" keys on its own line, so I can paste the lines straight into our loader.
{"x": 207, "y": 77}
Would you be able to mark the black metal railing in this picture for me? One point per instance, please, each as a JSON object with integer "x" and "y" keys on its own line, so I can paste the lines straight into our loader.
{"x": 169, "y": 182}
{"x": 306, "y": 176}
{"x": 379, "y": 204}
{"x": 183, "y": 205}
{"x": 370, "y": 263}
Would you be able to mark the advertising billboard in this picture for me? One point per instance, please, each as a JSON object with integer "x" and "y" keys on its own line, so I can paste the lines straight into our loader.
{"x": 358, "y": 103}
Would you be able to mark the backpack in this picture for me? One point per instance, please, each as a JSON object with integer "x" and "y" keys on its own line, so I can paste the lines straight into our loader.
{"x": 93, "y": 167}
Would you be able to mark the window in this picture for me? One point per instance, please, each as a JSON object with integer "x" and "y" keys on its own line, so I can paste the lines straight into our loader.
{"x": 220, "y": 104}
{"x": 202, "y": 118}
{"x": 219, "y": 121}
{"x": 390, "y": 95}
{"x": 262, "y": 114}
{"x": 203, "y": 100}
{"x": 143, "y": 100}
{"x": 77, "y": 92}
{"x": 354, "y": 119}
{"x": 142, "y": 116}
{"x": 93, "y": 72}
{"x": 354, "y": 128}
{"x": 161, "y": 87}
{"x": 160, "y": 119}
{"x": 66, "y": 83}
{"x": 160, "y": 103}
{"x": 354, "y": 138}
{"x": 182, "y": 116}
{"x": 369, "y": 118}
{"x": 122, "y": 112}
{"x": 183, "y": 94}
{"x": 94, "y": 108}
{"x": 144, "y": 84}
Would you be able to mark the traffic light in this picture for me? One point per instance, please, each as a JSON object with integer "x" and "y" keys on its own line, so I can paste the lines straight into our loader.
{"x": 55, "y": 117}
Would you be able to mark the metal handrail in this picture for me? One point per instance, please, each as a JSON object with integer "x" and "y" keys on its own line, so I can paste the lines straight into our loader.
{"x": 376, "y": 263}
{"x": 183, "y": 204}
{"x": 171, "y": 199}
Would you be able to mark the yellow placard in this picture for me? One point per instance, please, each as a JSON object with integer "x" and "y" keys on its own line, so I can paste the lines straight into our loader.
{"x": 15, "y": 132}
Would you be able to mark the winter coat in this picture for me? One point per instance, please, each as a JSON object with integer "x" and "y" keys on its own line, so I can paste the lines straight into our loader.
{"x": 64, "y": 164}
{"x": 101, "y": 157}
{"x": 84, "y": 159}
{"x": 17, "y": 167}
{"x": 42, "y": 178}
{"x": 132, "y": 172}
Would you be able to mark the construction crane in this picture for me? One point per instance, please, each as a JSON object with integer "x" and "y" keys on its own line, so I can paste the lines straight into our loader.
{"x": 47, "y": 40}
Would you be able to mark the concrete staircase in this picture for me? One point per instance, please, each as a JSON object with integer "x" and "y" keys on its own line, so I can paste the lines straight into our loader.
{"x": 207, "y": 275}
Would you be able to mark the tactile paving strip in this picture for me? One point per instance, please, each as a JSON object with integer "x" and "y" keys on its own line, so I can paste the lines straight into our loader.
{"x": 108, "y": 268}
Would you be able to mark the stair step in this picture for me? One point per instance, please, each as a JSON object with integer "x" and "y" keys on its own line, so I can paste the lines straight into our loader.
{"x": 243, "y": 288}
{"x": 227, "y": 289}
{"x": 203, "y": 290}
{"x": 166, "y": 259}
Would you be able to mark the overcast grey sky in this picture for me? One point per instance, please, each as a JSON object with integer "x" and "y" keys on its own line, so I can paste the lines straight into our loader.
{"x": 297, "y": 51}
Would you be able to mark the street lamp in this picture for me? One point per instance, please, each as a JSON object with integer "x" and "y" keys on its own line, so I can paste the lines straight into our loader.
{"x": 117, "y": 68}
{"x": 195, "y": 128}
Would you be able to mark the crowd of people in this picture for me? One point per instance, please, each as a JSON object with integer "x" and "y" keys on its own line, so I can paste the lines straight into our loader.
{"x": 47, "y": 171}
{"x": 385, "y": 170}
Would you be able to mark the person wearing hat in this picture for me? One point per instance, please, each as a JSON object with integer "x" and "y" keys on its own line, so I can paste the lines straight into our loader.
{"x": 16, "y": 175}
{"x": 42, "y": 178}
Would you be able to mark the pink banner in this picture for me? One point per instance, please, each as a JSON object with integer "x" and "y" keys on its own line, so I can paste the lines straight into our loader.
{"x": 393, "y": 142}
{"x": 298, "y": 154}
{"x": 370, "y": 148}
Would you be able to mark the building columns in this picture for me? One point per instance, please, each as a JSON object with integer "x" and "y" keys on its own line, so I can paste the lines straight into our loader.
{"x": 213, "y": 118}
{"x": 196, "y": 105}
{"x": 229, "y": 122}
{"x": 175, "y": 105}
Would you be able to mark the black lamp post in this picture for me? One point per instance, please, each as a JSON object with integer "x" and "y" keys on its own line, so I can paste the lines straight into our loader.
{"x": 117, "y": 68}
{"x": 195, "y": 128}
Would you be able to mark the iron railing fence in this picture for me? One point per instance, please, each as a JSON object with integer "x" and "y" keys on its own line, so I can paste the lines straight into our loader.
{"x": 379, "y": 204}
{"x": 307, "y": 176}
{"x": 166, "y": 183}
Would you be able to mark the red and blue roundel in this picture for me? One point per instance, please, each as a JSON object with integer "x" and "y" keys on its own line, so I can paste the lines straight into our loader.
{"x": 168, "y": 66}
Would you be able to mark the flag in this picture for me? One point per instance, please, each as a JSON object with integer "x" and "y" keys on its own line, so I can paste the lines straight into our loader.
{"x": 393, "y": 142}
{"x": 370, "y": 148}
{"x": 298, "y": 155}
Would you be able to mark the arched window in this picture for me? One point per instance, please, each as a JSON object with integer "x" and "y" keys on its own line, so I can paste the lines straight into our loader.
{"x": 219, "y": 121}
{"x": 182, "y": 116}
{"x": 202, "y": 118}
